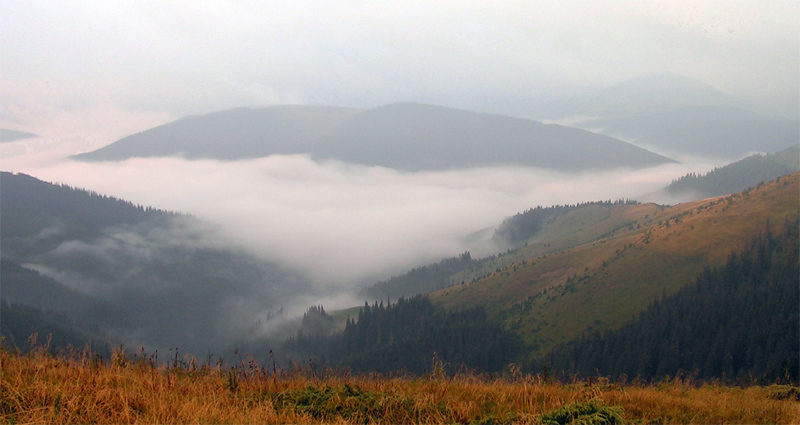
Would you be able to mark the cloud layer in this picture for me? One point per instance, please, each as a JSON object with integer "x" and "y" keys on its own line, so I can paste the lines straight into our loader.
{"x": 342, "y": 224}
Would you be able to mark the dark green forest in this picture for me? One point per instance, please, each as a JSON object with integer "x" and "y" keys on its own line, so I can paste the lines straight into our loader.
{"x": 407, "y": 336}
{"x": 737, "y": 322}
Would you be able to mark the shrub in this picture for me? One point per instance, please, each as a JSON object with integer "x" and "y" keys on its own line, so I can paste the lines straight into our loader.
{"x": 591, "y": 413}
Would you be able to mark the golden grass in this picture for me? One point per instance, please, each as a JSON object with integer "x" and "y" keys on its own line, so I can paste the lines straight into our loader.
{"x": 42, "y": 388}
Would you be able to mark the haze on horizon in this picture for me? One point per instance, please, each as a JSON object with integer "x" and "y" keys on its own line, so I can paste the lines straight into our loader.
{"x": 100, "y": 71}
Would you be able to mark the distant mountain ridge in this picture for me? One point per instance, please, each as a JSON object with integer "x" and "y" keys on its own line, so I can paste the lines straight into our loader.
{"x": 645, "y": 95}
{"x": 709, "y": 131}
{"x": 7, "y": 135}
{"x": 406, "y": 136}
{"x": 229, "y": 135}
{"x": 677, "y": 117}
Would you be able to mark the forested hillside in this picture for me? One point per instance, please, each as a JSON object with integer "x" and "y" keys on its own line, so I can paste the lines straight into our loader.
{"x": 737, "y": 176}
{"x": 131, "y": 273}
{"x": 738, "y": 321}
{"x": 31, "y": 207}
{"x": 24, "y": 327}
{"x": 34, "y": 303}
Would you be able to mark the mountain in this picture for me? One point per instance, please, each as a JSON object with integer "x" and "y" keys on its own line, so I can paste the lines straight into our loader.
{"x": 406, "y": 136}
{"x": 137, "y": 275}
{"x": 737, "y": 176}
{"x": 640, "y": 253}
{"x": 646, "y": 95}
{"x": 7, "y": 135}
{"x": 229, "y": 135}
{"x": 709, "y": 131}
{"x": 421, "y": 137}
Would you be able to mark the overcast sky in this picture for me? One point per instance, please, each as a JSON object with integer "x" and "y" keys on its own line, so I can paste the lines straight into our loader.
{"x": 105, "y": 69}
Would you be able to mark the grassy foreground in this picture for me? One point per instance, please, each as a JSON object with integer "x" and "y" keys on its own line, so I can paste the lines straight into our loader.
{"x": 80, "y": 388}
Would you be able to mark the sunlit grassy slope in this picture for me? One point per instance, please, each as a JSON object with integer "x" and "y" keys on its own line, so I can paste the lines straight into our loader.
{"x": 637, "y": 253}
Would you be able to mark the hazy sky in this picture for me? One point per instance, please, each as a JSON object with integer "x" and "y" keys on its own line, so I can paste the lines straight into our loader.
{"x": 104, "y": 69}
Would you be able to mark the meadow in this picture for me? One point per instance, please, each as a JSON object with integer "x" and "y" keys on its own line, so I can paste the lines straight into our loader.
{"x": 81, "y": 387}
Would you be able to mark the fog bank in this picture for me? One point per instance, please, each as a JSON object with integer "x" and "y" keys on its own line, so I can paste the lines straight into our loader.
{"x": 343, "y": 225}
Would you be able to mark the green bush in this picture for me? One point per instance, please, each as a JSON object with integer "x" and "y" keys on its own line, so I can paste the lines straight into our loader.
{"x": 591, "y": 413}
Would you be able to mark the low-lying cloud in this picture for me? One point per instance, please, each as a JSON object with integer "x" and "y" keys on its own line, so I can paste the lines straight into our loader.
{"x": 343, "y": 225}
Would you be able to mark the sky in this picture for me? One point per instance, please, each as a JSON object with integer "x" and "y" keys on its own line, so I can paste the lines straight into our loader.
{"x": 101, "y": 70}
{"x": 83, "y": 74}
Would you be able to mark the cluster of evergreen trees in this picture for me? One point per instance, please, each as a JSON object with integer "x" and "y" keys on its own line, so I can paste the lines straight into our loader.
{"x": 737, "y": 322}
{"x": 408, "y": 336}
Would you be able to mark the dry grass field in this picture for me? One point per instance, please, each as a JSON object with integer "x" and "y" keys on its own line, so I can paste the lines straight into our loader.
{"x": 78, "y": 387}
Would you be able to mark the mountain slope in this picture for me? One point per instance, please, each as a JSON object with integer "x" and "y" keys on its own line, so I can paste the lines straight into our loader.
{"x": 7, "y": 135}
{"x": 419, "y": 137}
{"x": 407, "y": 137}
{"x": 737, "y": 176}
{"x": 710, "y": 131}
{"x": 554, "y": 298}
{"x": 540, "y": 230}
{"x": 19, "y": 323}
{"x": 141, "y": 276}
{"x": 229, "y": 135}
